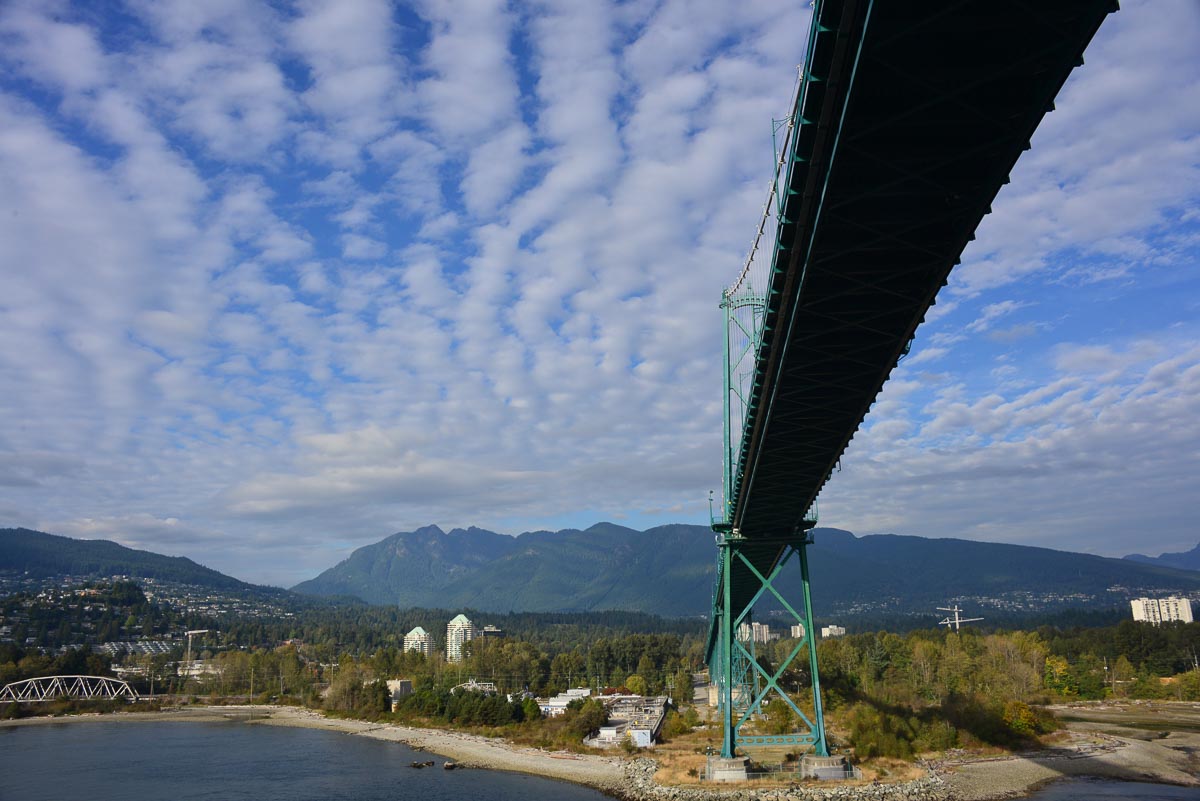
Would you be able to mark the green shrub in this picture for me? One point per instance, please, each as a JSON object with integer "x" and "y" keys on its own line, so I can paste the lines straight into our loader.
{"x": 1020, "y": 717}
{"x": 875, "y": 733}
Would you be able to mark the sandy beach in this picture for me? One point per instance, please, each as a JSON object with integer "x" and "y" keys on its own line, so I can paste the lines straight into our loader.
{"x": 466, "y": 750}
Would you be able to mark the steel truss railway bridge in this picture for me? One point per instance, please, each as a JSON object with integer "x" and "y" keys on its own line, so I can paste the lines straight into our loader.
{"x": 907, "y": 118}
{"x": 53, "y": 688}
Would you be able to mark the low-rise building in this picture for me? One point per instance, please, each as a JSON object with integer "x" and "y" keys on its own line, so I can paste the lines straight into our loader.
{"x": 634, "y": 717}
{"x": 557, "y": 705}
{"x": 197, "y": 668}
{"x": 398, "y": 688}
{"x": 473, "y": 686}
{"x": 828, "y": 632}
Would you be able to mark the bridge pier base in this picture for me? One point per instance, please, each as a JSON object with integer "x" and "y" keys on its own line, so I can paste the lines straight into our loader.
{"x": 822, "y": 767}
{"x": 724, "y": 769}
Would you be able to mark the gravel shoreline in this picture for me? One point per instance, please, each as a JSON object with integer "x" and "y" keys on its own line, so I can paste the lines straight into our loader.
{"x": 1084, "y": 754}
{"x": 1169, "y": 760}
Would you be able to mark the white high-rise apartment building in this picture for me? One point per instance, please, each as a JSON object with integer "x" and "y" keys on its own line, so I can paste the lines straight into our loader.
{"x": 419, "y": 640}
{"x": 1162, "y": 610}
{"x": 460, "y": 630}
{"x": 756, "y": 632}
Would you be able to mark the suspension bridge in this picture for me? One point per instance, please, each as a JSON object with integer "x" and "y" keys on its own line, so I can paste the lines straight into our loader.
{"x": 906, "y": 120}
{"x": 52, "y": 688}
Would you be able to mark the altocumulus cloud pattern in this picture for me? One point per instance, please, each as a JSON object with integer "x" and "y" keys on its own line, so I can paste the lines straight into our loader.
{"x": 278, "y": 280}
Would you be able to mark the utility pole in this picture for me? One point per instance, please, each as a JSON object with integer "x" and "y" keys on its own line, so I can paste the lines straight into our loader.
{"x": 957, "y": 621}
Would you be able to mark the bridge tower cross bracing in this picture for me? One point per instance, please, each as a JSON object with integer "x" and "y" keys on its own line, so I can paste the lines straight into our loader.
{"x": 744, "y": 684}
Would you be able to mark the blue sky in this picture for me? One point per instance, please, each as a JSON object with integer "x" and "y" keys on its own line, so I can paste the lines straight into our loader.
{"x": 277, "y": 280}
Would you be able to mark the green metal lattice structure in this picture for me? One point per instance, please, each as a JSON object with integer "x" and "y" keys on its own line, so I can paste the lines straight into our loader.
{"x": 907, "y": 118}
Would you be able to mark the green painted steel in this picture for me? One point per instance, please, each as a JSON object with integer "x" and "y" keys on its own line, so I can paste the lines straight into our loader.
{"x": 906, "y": 121}
{"x": 744, "y": 685}
{"x": 743, "y": 312}
{"x": 726, "y": 673}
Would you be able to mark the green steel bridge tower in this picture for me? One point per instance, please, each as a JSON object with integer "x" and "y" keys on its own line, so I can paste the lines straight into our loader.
{"x": 906, "y": 120}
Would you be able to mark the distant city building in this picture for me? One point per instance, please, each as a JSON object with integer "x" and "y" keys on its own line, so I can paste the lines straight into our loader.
{"x": 832, "y": 631}
{"x": 131, "y": 648}
{"x": 492, "y": 631}
{"x": 756, "y": 632}
{"x": 1162, "y": 610}
{"x": 557, "y": 705}
{"x": 472, "y": 686}
{"x": 398, "y": 689}
{"x": 798, "y": 631}
{"x": 633, "y": 717}
{"x": 459, "y": 631}
{"x": 419, "y": 640}
{"x": 197, "y": 668}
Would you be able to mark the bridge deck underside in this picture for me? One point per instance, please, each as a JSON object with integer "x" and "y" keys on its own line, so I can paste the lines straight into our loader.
{"x": 935, "y": 107}
{"x": 913, "y": 118}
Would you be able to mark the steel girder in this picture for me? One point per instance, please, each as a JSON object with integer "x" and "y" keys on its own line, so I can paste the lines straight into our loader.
{"x": 50, "y": 688}
{"x": 909, "y": 118}
{"x": 907, "y": 121}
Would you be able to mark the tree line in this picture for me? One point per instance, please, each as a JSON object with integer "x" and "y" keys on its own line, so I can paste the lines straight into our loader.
{"x": 896, "y": 695}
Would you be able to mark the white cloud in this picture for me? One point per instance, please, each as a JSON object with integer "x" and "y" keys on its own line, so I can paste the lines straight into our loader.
{"x": 357, "y": 85}
{"x": 59, "y": 53}
{"x": 1107, "y": 448}
{"x": 992, "y": 312}
{"x": 308, "y": 274}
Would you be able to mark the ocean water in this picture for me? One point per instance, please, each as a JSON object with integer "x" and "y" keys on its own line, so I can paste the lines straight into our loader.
{"x": 189, "y": 761}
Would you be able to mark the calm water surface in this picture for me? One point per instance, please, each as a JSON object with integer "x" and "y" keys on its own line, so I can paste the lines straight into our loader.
{"x": 188, "y": 761}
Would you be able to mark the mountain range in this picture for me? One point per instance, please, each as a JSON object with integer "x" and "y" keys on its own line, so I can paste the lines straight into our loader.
{"x": 1183, "y": 560}
{"x": 36, "y": 554}
{"x": 669, "y": 570}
